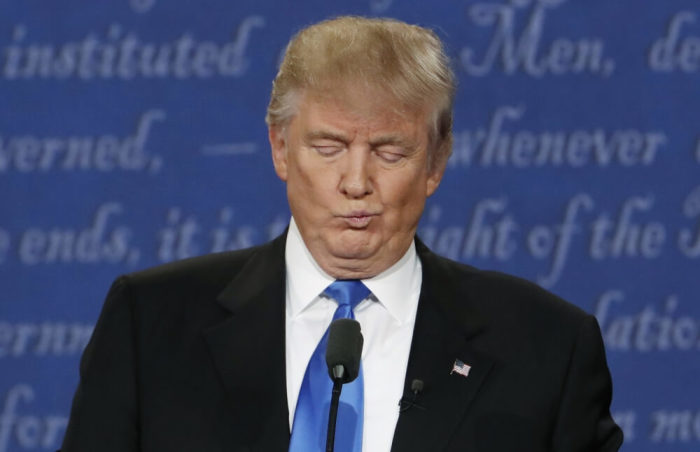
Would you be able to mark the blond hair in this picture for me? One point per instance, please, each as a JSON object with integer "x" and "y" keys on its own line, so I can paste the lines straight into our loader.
{"x": 406, "y": 61}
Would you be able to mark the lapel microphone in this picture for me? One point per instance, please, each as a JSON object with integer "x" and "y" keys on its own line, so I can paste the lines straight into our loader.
{"x": 406, "y": 403}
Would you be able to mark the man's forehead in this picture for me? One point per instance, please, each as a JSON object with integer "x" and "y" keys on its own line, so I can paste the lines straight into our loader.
{"x": 360, "y": 94}
{"x": 363, "y": 107}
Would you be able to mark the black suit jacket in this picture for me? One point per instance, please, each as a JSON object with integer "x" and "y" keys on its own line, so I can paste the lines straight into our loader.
{"x": 190, "y": 357}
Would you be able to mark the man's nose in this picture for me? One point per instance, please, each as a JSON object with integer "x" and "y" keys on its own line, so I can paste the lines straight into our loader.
{"x": 356, "y": 180}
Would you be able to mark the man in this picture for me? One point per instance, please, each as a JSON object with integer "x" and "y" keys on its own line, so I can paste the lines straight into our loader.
{"x": 215, "y": 353}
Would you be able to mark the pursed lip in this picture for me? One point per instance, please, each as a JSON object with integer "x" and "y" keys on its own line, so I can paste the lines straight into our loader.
{"x": 358, "y": 219}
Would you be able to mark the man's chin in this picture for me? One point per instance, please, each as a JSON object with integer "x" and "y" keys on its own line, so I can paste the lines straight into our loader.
{"x": 353, "y": 252}
{"x": 347, "y": 259}
{"x": 353, "y": 244}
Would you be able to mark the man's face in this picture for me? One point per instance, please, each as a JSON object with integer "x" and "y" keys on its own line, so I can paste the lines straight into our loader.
{"x": 356, "y": 168}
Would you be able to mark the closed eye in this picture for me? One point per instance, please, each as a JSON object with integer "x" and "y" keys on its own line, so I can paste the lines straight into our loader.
{"x": 391, "y": 153}
{"x": 390, "y": 157}
{"x": 328, "y": 151}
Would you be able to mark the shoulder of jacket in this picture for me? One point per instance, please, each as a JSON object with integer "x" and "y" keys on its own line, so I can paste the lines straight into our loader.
{"x": 206, "y": 275}
{"x": 496, "y": 290}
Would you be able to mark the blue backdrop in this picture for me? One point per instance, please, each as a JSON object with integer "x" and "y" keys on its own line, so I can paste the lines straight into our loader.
{"x": 132, "y": 133}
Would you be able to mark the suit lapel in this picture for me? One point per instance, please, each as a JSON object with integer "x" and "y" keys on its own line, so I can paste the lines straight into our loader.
{"x": 445, "y": 324}
{"x": 248, "y": 349}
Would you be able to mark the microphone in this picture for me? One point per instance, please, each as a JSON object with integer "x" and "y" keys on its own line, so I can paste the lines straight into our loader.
{"x": 343, "y": 350}
{"x": 405, "y": 403}
{"x": 343, "y": 360}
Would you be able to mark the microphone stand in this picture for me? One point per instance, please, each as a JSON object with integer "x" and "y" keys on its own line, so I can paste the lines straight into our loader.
{"x": 333, "y": 414}
{"x": 343, "y": 359}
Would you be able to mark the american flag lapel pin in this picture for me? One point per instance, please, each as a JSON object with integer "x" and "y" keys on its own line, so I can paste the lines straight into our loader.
{"x": 461, "y": 368}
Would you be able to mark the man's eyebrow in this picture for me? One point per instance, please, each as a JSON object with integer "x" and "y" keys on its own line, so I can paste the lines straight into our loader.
{"x": 325, "y": 135}
{"x": 392, "y": 139}
{"x": 397, "y": 140}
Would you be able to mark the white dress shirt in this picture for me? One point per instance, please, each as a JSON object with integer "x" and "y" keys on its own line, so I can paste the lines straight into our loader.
{"x": 386, "y": 317}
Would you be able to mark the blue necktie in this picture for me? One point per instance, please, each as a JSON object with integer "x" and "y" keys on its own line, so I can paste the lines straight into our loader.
{"x": 311, "y": 416}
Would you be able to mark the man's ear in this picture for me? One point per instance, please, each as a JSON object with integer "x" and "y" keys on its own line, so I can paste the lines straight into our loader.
{"x": 435, "y": 174}
{"x": 278, "y": 145}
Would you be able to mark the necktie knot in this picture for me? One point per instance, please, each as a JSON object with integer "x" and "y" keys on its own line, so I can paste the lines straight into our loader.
{"x": 347, "y": 292}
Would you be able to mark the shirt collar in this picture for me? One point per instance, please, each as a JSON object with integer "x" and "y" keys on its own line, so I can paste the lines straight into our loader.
{"x": 306, "y": 280}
